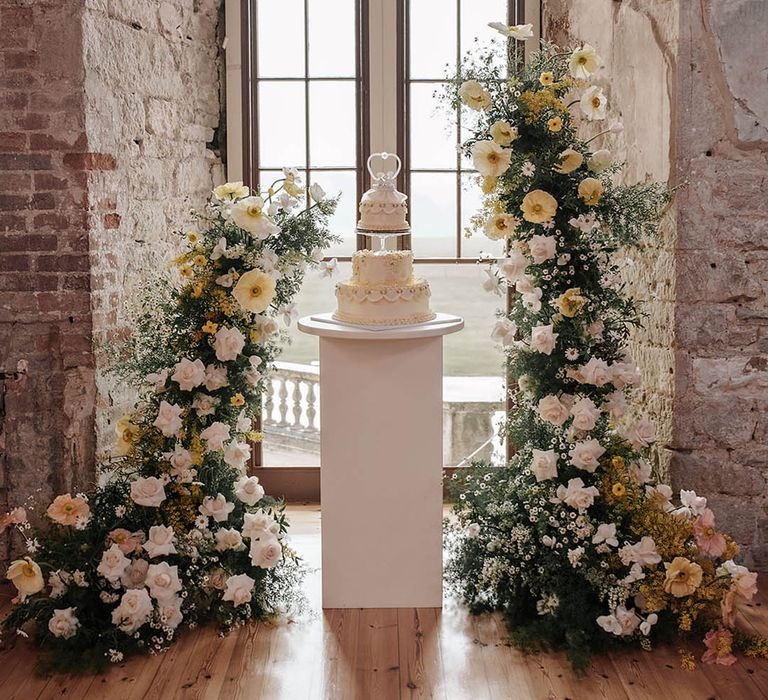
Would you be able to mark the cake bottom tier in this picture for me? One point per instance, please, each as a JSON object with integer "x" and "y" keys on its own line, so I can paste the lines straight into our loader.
{"x": 383, "y": 305}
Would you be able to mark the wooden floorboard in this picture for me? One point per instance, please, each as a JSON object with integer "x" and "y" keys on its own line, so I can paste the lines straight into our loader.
{"x": 383, "y": 654}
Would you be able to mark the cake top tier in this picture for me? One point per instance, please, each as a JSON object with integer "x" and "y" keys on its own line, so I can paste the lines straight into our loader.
{"x": 382, "y": 207}
{"x": 374, "y": 269}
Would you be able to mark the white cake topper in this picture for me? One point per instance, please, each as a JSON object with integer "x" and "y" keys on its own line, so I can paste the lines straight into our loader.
{"x": 384, "y": 178}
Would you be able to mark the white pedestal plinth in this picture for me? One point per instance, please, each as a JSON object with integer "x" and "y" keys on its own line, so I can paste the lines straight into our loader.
{"x": 381, "y": 463}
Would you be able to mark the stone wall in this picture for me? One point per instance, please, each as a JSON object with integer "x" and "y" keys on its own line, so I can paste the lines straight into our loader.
{"x": 152, "y": 101}
{"x": 109, "y": 115}
{"x": 47, "y": 396}
{"x": 684, "y": 81}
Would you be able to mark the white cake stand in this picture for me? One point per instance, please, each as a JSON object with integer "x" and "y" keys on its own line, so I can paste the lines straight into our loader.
{"x": 381, "y": 446}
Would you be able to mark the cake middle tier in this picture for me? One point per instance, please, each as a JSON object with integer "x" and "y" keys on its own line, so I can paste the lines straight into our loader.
{"x": 394, "y": 267}
{"x": 383, "y": 304}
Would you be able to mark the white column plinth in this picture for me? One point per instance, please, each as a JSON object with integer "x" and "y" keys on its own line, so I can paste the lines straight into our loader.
{"x": 381, "y": 463}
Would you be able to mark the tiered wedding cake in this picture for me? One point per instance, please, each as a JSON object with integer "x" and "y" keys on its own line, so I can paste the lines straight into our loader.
{"x": 382, "y": 289}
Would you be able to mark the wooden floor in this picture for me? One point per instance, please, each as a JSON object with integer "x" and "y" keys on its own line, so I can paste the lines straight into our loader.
{"x": 389, "y": 654}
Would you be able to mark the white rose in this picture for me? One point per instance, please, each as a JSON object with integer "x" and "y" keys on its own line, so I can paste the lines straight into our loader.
{"x": 170, "y": 612}
{"x": 135, "y": 575}
{"x": 585, "y": 414}
{"x": 163, "y": 580}
{"x": 168, "y": 420}
{"x": 228, "y": 538}
{"x": 640, "y": 470}
{"x": 595, "y": 372}
{"x": 624, "y": 373}
{"x": 542, "y": 248}
{"x": 472, "y": 530}
{"x": 504, "y": 332}
{"x": 577, "y": 495}
{"x": 586, "y": 454}
{"x": 228, "y": 344}
{"x": 599, "y": 160}
{"x": 257, "y": 525}
{"x": 134, "y": 610}
{"x": 513, "y": 266}
{"x": 238, "y": 589}
{"x": 158, "y": 380}
{"x": 63, "y": 623}
{"x": 606, "y": 532}
{"x": 215, "y": 435}
{"x": 188, "y": 374}
{"x": 215, "y": 377}
{"x": 205, "y": 405}
{"x": 266, "y": 552}
{"x": 643, "y": 553}
{"x": 217, "y": 508}
{"x": 249, "y": 490}
{"x": 237, "y": 454}
{"x": 543, "y": 339}
{"x": 113, "y": 564}
{"x": 616, "y": 405}
{"x": 160, "y": 541}
{"x": 149, "y": 491}
{"x": 595, "y": 329}
{"x": 544, "y": 464}
{"x": 693, "y": 504}
{"x": 180, "y": 458}
{"x": 640, "y": 434}
{"x": 553, "y": 410}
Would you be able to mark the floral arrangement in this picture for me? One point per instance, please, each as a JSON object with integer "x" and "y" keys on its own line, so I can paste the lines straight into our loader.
{"x": 575, "y": 540}
{"x": 177, "y": 532}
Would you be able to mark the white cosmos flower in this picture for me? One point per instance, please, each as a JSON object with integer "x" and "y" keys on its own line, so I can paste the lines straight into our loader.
{"x": 328, "y": 268}
{"x": 168, "y": 420}
{"x": 504, "y": 332}
{"x": 316, "y": 192}
{"x": 215, "y": 435}
{"x": 490, "y": 159}
{"x": 217, "y": 508}
{"x": 583, "y": 62}
{"x": 249, "y": 215}
{"x": 521, "y": 32}
{"x": 220, "y": 249}
{"x": 593, "y": 103}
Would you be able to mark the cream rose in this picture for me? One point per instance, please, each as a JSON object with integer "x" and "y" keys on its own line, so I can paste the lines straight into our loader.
{"x": 585, "y": 414}
{"x": 238, "y": 589}
{"x": 513, "y": 266}
{"x": 160, "y": 542}
{"x": 135, "y": 575}
{"x": 266, "y": 552}
{"x": 553, "y": 410}
{"x": 228, "y": 538}
{"x": 168, "y": 420}
{"x": 595, "y": 372}
{"x": 237, "y": 454}
{"x": 217, "y": 508}
{"x": 163, "y": 580}
{"x": 215, "y": 377}
{"x": 149, "y": 491}
{"x": 134, "y": 610}
{"x": 257, "y": 525}
{"x": 543, "y": 339}
{"x": 188, "y": 374}
{"x": 640, "y": 434}
{"x": 63, "y": 623}
{"x": 544, "y": 464}
{"x": 228, "y": 344}
{"x": 249, "y": 490}
{"x": 215, "y": 435}
{"x": 113, "y": 564}
{"x": 542, "y": 248}
{"x": 586, "y": 455}
{"x": 577, "y": 495}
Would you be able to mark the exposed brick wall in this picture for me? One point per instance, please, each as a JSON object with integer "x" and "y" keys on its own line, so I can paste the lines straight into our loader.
{"x": 704, "y": 352}
{"x": 47, "y": 424}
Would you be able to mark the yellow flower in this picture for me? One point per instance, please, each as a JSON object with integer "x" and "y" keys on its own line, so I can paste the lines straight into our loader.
{"x": 26, "y": 575}
{"x": 547, "y": 78}
{"x": 199, "y": 260}
{"x": 538, "y": 206}
{"x": 127, "y": 432}
{"x": 291, "y": 186}
{"x": 255, "y": 335}
{"x": 500, "y": 226}
{"x": 590, "y": 190}
{"x": 197, "y": 290}
{"x": 570, "y": 302}
{"x": 570, "y": 160}
{"x": 617, "y": 461}
{"x": 255, "y": 291}
{"x": 490, "y": 159}
{"x": 210, "y": 327}
{"x": 555, "y": 124}
{"x": 683, "y": 577}
{"x": 193, "y": 237}
{"x": 488, "y": 184}
{"x": 503, "y": 133}
{"x": 618, "y": 489}
{"x": 237, "y": 400}
{"x": 186, "y": 271}
{"x": 231, "y": 190}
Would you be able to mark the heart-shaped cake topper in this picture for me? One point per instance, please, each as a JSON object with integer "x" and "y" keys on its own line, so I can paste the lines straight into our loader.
{"x": 382, "y": 176}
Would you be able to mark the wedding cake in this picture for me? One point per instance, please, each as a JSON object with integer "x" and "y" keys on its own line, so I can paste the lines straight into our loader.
{"x": 382, "y": 289}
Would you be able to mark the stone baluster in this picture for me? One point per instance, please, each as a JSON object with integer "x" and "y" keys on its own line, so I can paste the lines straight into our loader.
{"x": 282, "y": 394}
{"x": 269, "y": 400}
{"x": 311, "y": 410}
{"x": 296, "y": 407}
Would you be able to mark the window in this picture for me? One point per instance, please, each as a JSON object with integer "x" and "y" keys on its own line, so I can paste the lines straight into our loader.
{"x": 321, "y": 84}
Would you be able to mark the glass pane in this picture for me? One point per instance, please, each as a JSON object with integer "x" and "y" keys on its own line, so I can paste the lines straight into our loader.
{"x": 345, "y": 219}
{"x": 281, "y": 124}
{"x": 280, "y": 39}
{"x": 432, "y": 130}
{"x": 475, "y": 15}
{"x": 471, "y": 203}
{"x": 433, "y": 214}
{"x": 473, "y": 387}
{"x": 332, "y": 124}
{"x": 432, "y": 38}
{"x": 292, "y": 421}
{"x": 331, "y": 38}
